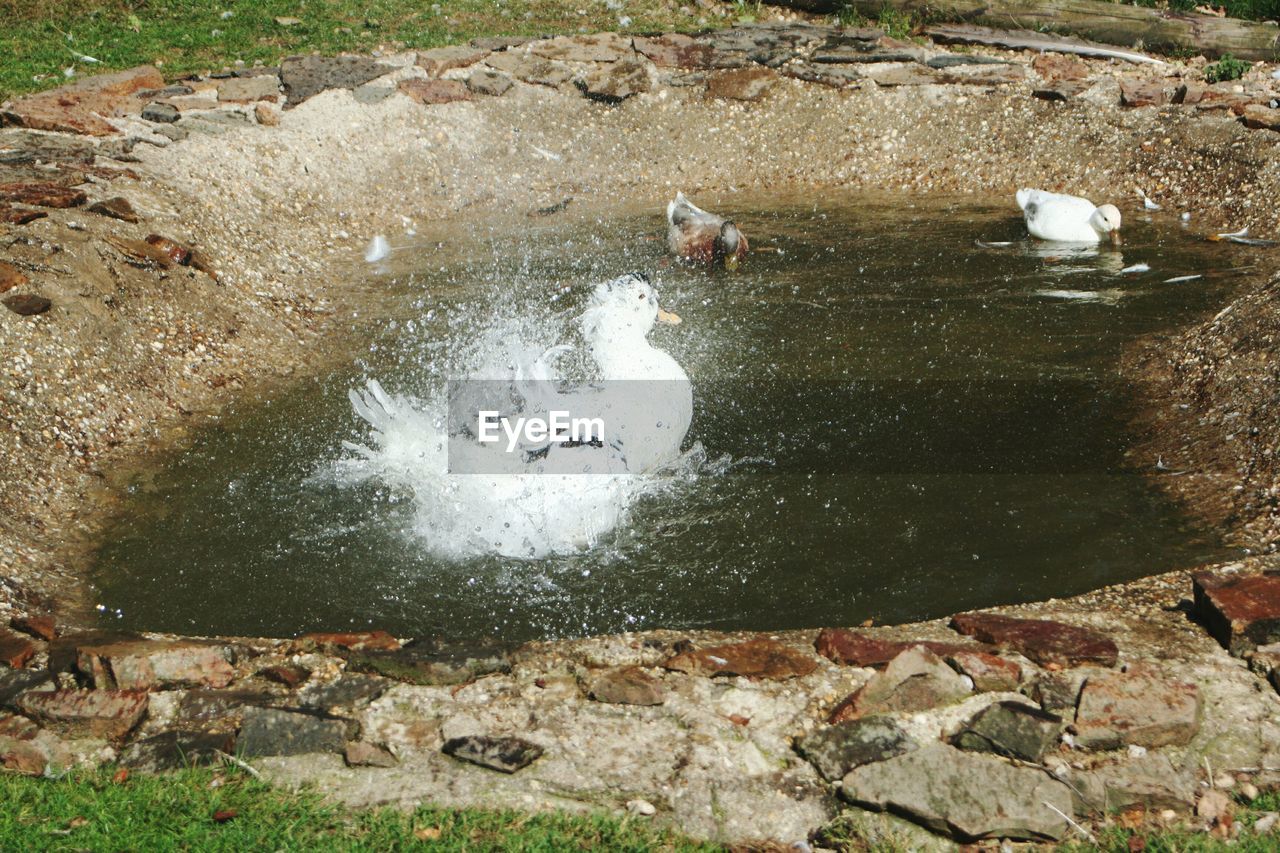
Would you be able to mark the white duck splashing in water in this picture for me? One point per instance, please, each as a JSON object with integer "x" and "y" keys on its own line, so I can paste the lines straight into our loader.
{"x": 548, "y": 497}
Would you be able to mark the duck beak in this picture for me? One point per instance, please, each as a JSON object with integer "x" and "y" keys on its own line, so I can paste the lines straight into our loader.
{"x": 669, "y": 318}
{"x": 731, "y": 262}
{"x": 1115, "y": 237}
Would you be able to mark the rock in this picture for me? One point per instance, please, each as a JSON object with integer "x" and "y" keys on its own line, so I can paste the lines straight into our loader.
{"x": 304, "y": 77}
{"x": 1149, "y": 782}
{"x": 441, "y": 59}
{"x": 346, "y": 691}
{"x": 600, "y": 47}
{"x": 1041, "y": 640}
{"x": 27, "y": 304}
{"x": 160, "y": 113}
{"x": 1261, "y": 117}
{"x": 221, "y": 708}
{"x": 857, "y": 649}
{"x": 110, "y": 714}
{"x": 1057, "y": 66}
{"x": 745, "y": 84}
{"x": 435, "y": 91}
{"x": 1011, "y": 729}
{"x": 1060, "y": 691}
{"x": 965, "y": 795}
{"x": 1063, "y": 90}
{"x": 17, "y": 682}
{"x": 215, "y": 122}
{"x": 115, "y": 208}
{"x": 989, "y": 673}
{"x": 155, "y": 664}
{"x": 22, "y": 756}
{"x": 860, "y": 52}
{"x": 270, "y": 731}
{"x": 290, "y": 675}
{"x": 176, "y": 750}
{"x": 915, "y": 680}
{"x": 266, "y": 115}
{"x": 248, "y": 89}
{"x": 42, "y": 194}
{"x": 358, "y": 753}
{"x": 11, "y": 277}
{"x": 838, "y": 76}
{"x": 18, "y": 216}
{"x": 1241, "y": 612}
{"x": 505, "y": 754}
{"x": 17, "y": 728}
{"x": 617, "y": 82}
{"x": 761, "y": 658}
{"x": 643, "y": 808}
{"x": 16, "y": 651}
{"x": 835, "y": 750}
{"x": 1266, "y": 824}
{"x": 531, "y": 69}
{"x": 433, "y": 663}
{"x": 1137, "y": 707}
{"x": 1214, "y": 807}
{"x": 357, "y": 641}
{"x": 959, "y": 60}
{"x": 499, "y": 43}
{"x": 172, "y": 132}
{"x": 484, "y": 82}
{"x": 629, "y": 686}
{"x": 676, "y": 50}
{"x": 904, "y": 75}
{"x": 1138, "y": 92}
{"x": 79, "y": 107}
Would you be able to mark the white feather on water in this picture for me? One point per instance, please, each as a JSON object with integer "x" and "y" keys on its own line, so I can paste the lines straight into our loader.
{"x": 377, "y": 250}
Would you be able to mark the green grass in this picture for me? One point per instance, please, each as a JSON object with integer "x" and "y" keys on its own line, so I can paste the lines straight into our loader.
{"x": 91, "y": 811}
{"x": 43, "y": 37}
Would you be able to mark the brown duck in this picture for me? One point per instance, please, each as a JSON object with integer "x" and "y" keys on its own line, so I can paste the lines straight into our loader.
{"x": 696, "y": 235}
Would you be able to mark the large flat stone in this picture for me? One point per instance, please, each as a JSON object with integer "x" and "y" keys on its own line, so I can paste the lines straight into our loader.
{"x": 433, "y": 663}
{"x": 627, "y": 686}
{"x": 16, "y": 651}
{"x": 441, "y": 59}
{"x": 858, "y": 649}
{"x": 617, "y": 81}
{"x": 42, "y": 194}
{"x": 599, "y": 47}
{"x": 350, "y": 641}
{"x": 156, "y": 664}
{"x": 1138, "y": 708}
{"x": 1041, "y": 640}
{"x": 246, "y": 89}
{"x": 762, "y": 658}
{"x": 14, "y": 684}
{"x": 305, "y": 77}
{"x": 1241, "y": 612}
{"x": 175, "y": 750}
{"x": 835, "y": 750}
{"x": 531, "y": 69}
{"x": 504, "y": 754}
{"x": 349, "y": 690}
{"x": 743, "y": 84}
{"x": 1138, "y": 92}
{"x": 968, "y": 796}
{"x": 1012, "y": 729}
{"x": 270, "y": 731}
{"x": 78, "y": 107}
{"x": 109, "y": 714}
{"x": 1150, "y": 782}
{"x": 989, "y": 673}
{"x": 676, "y": 50}
{"x": 435, "y": 91}
{"x": 222, "y": 708}
{"x": 915, "y": 680}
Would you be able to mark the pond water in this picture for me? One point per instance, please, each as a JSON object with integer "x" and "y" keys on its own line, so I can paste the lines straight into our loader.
{"x": 908, "y": 421}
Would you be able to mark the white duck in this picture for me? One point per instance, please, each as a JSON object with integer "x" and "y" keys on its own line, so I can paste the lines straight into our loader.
{"x": 535, "y": 501}
{"x": 1068, "y": 218}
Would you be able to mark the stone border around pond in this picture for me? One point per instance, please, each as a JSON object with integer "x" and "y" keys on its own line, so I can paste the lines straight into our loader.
{"x": 197, "y": 261}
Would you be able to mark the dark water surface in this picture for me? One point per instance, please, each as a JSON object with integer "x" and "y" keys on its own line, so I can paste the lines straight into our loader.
{"x": 921, "y": 425}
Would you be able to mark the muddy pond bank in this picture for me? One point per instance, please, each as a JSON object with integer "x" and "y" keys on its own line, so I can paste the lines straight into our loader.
{"x": 280, "y": 204}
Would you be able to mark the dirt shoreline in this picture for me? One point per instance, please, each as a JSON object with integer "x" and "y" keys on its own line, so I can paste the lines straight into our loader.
{"x": 282, "y": 204}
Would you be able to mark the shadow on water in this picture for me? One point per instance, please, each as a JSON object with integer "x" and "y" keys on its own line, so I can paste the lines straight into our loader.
{"x": 922, "y": 424}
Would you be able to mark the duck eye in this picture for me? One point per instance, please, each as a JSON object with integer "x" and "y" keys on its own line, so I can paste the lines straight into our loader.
{"x": 642, "y": 297}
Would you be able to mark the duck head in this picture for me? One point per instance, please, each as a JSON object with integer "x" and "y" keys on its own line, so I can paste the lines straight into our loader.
{"x": 627, "y": 304}
{"x": 1106, "y": 221}
{"x": 729, "y": 244}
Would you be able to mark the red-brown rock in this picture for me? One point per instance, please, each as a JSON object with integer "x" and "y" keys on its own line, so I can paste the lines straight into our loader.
{"x": 22, "y": 756}
{"x": 153, "y": 664}
{"x": 914, "y": 681}
{"x": 676, "y": 50}
{"x": 1137, "y": 707}
{"x": 42, "y": 194}
{"x": 355, "y": 641}
{"x": 11, "y": 277}
{"x": 115, "y": 208}
{"x": 988, "y": 672}
{"x": 26, "y": 304}
{"x": 38, "y": 625}
{"x": 753, "y": 659}
{"x": 15, "y": 650}
{"x": 1260, "y": 117}
{"x": 72, "y": 108}
{"x": 435, "y": 91}
{"x": 109, "y": 714}
{"x": 174, "y": 250}
{"x": 1135, "y": 92}
{"x": 742, "y": 84}
{"x": 857, "y": 649}
{"x": 1057, "y": 66}
{"x": 1241, "y": 612}
{"x": 290, "y": 675}
{"x": 1041, "y": 640}
{"x": 441, "y": 59}
{"x": 18, "y": 216}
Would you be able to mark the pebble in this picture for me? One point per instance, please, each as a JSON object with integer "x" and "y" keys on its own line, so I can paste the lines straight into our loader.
{"x": 644, "y": 808}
